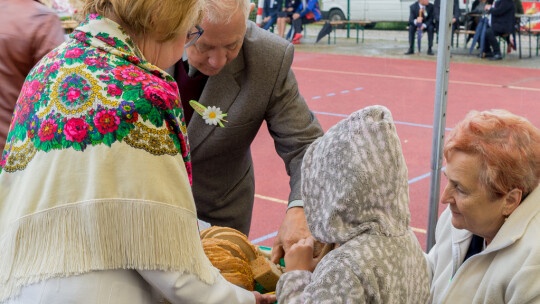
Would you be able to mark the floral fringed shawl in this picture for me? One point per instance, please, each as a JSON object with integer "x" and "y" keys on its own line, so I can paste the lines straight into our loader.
{"x": 96, "y": 171}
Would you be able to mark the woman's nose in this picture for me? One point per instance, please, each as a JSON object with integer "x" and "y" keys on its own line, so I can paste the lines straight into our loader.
{"x": 445, "y": 196}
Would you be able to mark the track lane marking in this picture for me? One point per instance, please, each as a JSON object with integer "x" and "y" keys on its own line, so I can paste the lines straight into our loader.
{"x": 490, "y": 85}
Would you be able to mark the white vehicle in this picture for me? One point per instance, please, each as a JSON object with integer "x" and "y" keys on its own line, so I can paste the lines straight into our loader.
{"x": 372, "y": 10}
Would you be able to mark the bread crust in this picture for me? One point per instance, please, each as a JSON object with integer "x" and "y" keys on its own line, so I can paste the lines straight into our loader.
{"x": 239, "y": 261}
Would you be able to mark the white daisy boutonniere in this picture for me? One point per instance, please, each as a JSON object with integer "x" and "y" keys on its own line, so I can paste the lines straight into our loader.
{"x": 211, "y": 115}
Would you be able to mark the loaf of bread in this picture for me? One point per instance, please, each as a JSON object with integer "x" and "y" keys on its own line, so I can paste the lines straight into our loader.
{"x": 239, "y": 261}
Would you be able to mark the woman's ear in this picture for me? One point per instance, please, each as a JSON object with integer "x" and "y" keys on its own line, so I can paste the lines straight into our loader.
{"x": 512, "y": 201}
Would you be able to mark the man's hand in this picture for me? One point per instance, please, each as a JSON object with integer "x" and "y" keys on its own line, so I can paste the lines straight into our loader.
{"x": 266, "y": 19}
{"x": 453, "y": 20}
{"x": 300, "y": 256}
{"x": 296, "y": 16}
{"x": 487, "y": 7}
{"x": 419, "y": 20}
{"x": 293, "y": 228}
{"x": 264, "y": 298}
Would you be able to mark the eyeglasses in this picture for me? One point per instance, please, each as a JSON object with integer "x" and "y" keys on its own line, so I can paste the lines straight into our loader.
{"x": 193, "y": 36}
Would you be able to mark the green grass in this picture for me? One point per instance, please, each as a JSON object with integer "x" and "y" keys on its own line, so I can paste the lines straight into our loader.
{"x": 391, "y": 26}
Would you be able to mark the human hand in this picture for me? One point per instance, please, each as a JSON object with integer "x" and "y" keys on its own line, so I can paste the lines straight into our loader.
{"x": 266, "y": 19}
{"x": 300, "y": 256}
{"x": 289, "y": 9}
{"x": 296, "y": 16}
{"x": 487, "y": 7}
{"x": 293, "y": 228}
{"x": 453, "y": 20}
{"x": 264, "y": 298}
{"x": 419, "y": 20}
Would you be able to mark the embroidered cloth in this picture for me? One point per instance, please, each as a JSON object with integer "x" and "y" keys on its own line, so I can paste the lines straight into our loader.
{"x": 96, "y": 172}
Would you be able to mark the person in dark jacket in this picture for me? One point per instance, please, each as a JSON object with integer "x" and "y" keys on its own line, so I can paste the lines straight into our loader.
{"x": 501, "y": 22}
{"x": 437, "y": 12}
{"x": 271, "y": 9}
{"x": 421, "y": 13}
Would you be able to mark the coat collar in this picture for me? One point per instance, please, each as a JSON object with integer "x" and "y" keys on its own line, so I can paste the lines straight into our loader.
{"x": 516, "y": 224}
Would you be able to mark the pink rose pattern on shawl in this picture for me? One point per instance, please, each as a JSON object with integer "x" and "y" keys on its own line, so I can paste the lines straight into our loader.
{"x": 74, "y": 74}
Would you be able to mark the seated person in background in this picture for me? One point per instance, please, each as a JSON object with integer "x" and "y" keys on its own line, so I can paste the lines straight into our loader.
{"x": 487, "y": 248}
{"x": 421, "y": 15}
{"x": 286, "y": 14}
{"x": 271, "y": 9}
{"x": 474, "y": 16}
{"x": 356, "y": 195}
{"x": 308, "y": 12}
{"x": 501, "y": 23}
{"x": 437, "y": 12}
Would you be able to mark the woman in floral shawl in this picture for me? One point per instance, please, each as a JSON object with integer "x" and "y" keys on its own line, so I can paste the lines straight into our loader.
{"x": 95, "y": 197}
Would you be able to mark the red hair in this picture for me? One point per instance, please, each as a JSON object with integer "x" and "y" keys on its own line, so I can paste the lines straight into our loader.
{"x": 508, "y": 144}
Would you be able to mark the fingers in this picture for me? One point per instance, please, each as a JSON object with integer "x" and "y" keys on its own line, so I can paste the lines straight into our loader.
{"x": 277, "y": 253}
{"x": 310, "y": 241}
{"x": 264, "y": 298}
{"x": 269, "y": 298}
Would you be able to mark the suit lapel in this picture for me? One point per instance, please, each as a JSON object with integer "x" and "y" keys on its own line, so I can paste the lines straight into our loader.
{"x": 221, "y": 91}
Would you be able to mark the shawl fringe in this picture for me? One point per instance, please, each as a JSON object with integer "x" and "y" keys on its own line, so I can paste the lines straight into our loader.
{"x": 98, "y": 235}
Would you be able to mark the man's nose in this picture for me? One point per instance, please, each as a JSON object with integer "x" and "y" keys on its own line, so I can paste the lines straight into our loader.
{"x": 217, "y": 60}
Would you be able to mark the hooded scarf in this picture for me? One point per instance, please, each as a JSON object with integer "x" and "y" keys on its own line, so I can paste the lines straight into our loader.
{"x": 96, "y": 172}
{"x": 355, "y": 192}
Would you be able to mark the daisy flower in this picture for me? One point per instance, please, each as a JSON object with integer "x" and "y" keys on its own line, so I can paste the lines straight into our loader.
{"x": 212, "y": 115}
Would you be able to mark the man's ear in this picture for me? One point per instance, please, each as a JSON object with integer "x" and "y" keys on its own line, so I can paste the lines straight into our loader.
{"x": 512, "y": 201}
{"x": 251, "y": 8}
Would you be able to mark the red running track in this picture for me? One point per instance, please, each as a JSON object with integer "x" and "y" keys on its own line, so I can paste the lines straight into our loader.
{"x": 336, "y": 85}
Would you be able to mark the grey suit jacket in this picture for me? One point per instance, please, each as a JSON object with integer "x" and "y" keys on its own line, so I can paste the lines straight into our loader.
{"x": 258, "y": 85}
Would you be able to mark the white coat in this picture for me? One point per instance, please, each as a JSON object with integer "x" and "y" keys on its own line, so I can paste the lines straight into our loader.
{"x": 507, "y": 271}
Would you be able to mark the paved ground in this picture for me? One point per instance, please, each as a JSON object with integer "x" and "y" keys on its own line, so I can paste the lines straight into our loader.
{"x": 392, "y": 44}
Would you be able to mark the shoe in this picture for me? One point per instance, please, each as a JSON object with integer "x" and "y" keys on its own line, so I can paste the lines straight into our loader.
{"x": 296, "y": 38}
{"x": 430, "y": 52}
{"x": 409, "y": 52}
{"x": 496, "y": 57}
{"x": 488, "y": 55}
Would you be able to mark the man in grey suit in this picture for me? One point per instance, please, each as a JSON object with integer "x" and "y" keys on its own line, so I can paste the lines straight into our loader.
{"x": 245, "y": 71}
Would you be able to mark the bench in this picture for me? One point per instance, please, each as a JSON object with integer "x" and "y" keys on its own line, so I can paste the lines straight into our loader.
{"x": 536, "y": 32}
{"x": 463, "y": 31}
{"x": 359, "y": 25}
{"x": 531, "y": 33}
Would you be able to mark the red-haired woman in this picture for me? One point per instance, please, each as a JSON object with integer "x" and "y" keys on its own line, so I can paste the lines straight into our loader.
{"x": 487, "y": 248}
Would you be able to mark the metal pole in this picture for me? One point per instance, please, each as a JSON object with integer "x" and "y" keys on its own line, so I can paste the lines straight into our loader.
{"x": 439, "y": 120}
{"x": 348, "y": 18}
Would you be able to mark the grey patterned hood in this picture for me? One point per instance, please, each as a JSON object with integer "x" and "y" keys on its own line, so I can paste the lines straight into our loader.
{"x": 354, "y": 179}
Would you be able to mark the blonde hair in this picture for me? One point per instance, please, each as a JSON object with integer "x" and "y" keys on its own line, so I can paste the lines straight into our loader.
{"x": 164, "y": 18}
{"x": 222, "y": 11}
{"x": 509, "y": 146}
